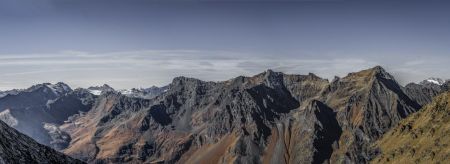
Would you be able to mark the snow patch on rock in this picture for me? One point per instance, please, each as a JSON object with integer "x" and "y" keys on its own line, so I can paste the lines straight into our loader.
{"x": 95, "y": 92}
{"x": 60, "y": 139}
{"x": 59, "y": 88}
{"x": 436, "y": 81}
{"x": 8, "y": 118}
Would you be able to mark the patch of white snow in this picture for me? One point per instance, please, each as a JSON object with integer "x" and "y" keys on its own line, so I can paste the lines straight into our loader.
{"x": 96, "y": 92}
{"x": 8, "y": 118}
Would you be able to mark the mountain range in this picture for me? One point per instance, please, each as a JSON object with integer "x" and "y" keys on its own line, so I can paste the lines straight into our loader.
{"x": 271, "y": 117}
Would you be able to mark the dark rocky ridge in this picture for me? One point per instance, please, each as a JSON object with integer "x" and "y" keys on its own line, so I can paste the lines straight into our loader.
{"x": 423, "y": 94}
{"x": 270, "y": 117}
{"x": 425, "y": 91}
{"x": 19, "y": 148}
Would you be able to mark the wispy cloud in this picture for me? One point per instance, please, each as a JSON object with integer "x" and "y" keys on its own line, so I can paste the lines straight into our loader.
{"x": 157, "y": 67}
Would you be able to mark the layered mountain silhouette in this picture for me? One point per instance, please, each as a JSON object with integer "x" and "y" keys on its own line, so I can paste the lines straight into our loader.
{"x": 19, "y": 148}
{"x": 271, "y": 117}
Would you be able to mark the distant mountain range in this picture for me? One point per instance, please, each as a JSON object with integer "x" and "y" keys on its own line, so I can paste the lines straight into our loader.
{"x": 271, "y": 117}
{"x": 31, "y": 109}
{"x": 146, "y": 93}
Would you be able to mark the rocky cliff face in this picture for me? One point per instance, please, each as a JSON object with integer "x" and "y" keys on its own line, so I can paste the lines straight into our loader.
{"x": 19, "y": 148}
{"x": 367, "y": 103}
{"x": 423, "y": 137}
{"x": 423, "y": 94}
{"x": 268, "y": 118}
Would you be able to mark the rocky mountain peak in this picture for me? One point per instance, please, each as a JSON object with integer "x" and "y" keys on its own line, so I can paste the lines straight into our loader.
{"x": 104, "y": 87}
{"x": 270, "y": 72}
{"x": 58, "y": 89}
{"x": 335, "y": 79}
{"x": 375, "y": 72}
{"x": 184, "y": 83}
{"x": 146, "y": 93}
{"x": 189, "y": 82}
{"x": 378, "y": 68}
{"x": 273, "y": 79}
{"x": 183, "y": 79}
{"x": 312, "y": 75}
{"x": 432, "y": 81}
{"x": 269, "y": 77}
{"x": 98, "y": 90}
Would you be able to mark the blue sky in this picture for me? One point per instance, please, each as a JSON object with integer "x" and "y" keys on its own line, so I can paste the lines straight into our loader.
{"x": 140, "y": 43}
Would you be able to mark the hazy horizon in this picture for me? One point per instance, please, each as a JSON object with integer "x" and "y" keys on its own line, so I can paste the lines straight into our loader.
{"x": 138, "y": 43}
{"x": 74, "y": 85}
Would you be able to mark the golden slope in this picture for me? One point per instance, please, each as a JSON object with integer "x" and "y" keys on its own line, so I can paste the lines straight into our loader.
{"x": 423, "y": 137}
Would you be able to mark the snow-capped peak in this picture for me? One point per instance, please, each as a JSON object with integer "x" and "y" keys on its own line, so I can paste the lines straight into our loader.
{"x": 98, "y": 90}
{"x": 59, "y": 88}
{"x": 144, "y": 92}
{"x": 436, "y": 81}
{"x": 127, "y": 91}
{"x": 95, "y": 92}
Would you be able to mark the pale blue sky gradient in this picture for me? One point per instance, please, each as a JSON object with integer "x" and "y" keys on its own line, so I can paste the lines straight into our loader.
{"x": 140, "y": 43}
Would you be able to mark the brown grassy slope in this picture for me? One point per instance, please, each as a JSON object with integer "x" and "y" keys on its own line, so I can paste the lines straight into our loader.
{"x": 423, "y": 137}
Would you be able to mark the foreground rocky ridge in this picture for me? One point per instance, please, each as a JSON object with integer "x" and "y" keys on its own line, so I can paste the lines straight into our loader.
{"x": 18, "y": 148}
{"x": 268, "y": 118}
{"x": 423, "y": 137}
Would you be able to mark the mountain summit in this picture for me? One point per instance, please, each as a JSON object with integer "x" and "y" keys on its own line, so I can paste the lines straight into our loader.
{"x": 97, "y": 90}
{"x": 432, "y": 80}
